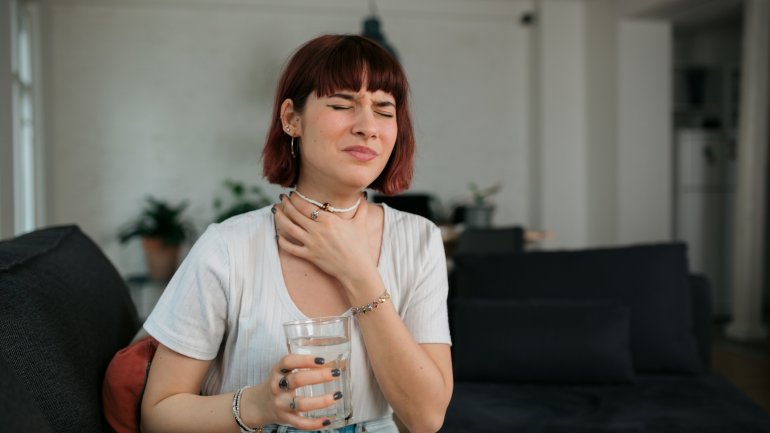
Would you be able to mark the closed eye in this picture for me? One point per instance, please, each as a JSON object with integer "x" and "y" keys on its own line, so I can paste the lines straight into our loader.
{"x": 339, "y": 107}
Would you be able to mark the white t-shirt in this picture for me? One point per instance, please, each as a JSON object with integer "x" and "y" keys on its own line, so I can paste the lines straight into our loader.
{"x": 228, "y": 301}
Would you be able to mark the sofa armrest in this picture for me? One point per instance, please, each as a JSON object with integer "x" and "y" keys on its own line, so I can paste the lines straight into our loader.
{"x": 64, "y": 313}
{"x": 18, "y": 409}
{"x": 702, "y": 327}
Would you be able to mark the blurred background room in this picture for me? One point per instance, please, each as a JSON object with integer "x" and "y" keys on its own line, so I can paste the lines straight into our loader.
{"x": 580, "y": 123}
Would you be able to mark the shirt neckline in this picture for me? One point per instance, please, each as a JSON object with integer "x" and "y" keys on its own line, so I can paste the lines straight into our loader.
{"x": 280, "y": 282}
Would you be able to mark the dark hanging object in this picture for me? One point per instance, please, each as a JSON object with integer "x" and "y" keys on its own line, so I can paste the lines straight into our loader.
{"x": 373, "y": 32}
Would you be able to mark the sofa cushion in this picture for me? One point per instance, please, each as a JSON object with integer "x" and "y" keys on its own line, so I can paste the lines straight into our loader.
{"x": 124, "y": 384}
{"x": 64, "y": 312}
{"x": 652, "y": 280}
{"x": 659, "y": 404}
{"x": 541, "y": 341}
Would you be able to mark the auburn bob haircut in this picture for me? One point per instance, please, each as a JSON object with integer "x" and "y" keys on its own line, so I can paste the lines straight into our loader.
{"x": 326, "y": 65}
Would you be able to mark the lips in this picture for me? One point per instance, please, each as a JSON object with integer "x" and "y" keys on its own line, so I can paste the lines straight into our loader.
{"x": 361, "y": 153}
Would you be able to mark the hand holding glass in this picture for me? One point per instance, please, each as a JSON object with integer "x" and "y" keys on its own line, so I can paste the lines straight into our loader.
{"x": 328, "y": 338}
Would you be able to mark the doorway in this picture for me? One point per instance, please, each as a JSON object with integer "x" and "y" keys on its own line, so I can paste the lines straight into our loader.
{"x": 706, "y": 95}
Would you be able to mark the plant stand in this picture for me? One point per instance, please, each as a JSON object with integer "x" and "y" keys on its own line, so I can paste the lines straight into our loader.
{"x": 479, "y": 217}
{"x": 160, "y": 257}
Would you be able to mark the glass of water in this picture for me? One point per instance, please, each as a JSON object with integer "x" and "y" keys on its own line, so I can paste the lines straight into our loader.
{"x": 328, "y": 338}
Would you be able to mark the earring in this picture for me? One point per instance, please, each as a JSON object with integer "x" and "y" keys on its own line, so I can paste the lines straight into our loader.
{"x": 293, "y": 155}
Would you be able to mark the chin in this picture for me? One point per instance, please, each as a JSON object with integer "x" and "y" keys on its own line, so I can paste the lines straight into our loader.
{"x": 358, "y": 183}
{"x": 359, "y": 179}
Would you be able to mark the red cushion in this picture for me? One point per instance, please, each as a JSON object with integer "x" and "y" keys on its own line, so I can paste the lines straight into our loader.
{"x": 124, "y": 385}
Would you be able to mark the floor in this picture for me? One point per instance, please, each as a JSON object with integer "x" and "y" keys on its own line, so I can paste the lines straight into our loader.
{"x": 746, "y": 365}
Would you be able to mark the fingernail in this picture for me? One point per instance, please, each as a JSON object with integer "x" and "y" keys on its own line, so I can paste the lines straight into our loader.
{"x": 272, "y": 209}
{"x": 290, "y": 193}
{"x": 366, "y": 195}
{"x": 326, "y": 422}
{"x": 337, "y": 395}
{"x": 336, "y": 372}
{"x": 320, "y": 361}
{"x": 280, "y": 196}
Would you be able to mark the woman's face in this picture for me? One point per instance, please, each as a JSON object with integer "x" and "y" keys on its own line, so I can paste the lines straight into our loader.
{"x": 346, "y": 138}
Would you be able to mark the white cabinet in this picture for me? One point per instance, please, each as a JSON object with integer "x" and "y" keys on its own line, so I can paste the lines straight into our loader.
{"x": 705, "y": 166}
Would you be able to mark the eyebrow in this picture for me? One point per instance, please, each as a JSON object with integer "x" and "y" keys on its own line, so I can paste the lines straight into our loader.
{"x": 350, "y": 97}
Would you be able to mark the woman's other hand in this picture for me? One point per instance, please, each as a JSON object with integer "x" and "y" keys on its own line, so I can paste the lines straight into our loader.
{"x": 338, "y": 246}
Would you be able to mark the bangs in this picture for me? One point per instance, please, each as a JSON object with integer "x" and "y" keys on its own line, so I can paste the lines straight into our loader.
{"x": 354, "y": 62}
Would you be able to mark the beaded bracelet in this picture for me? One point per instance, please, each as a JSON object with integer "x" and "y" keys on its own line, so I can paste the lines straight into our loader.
{"x": 237, "y": 413}
{"x": 372, "y": 305}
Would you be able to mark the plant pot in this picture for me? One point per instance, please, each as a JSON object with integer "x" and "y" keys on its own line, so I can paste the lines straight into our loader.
{"x": 479, "y": 217}
{"x": 160, "y": 257}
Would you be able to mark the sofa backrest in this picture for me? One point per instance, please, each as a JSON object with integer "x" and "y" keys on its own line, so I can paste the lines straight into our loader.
{"x": 64, "y": 312}
{"x": 491, "y": 240}
{"x": 652, "y": 281}
{"x": 702, "y": 320}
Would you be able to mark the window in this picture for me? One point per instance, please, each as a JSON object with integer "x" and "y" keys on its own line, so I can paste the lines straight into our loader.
{"x": 24, "y": 22}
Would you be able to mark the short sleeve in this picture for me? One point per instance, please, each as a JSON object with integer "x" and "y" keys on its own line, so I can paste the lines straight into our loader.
{"x": 191, "y": 315}
{"x": 426, "y": 313}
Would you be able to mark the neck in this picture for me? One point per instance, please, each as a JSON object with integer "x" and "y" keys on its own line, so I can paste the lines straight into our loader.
{"x": 339, "y": 199}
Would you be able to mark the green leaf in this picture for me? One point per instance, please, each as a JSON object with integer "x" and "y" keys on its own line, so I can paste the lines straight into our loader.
{"x": 159, "y": 219}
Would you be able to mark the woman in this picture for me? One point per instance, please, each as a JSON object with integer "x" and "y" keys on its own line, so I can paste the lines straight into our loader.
{"x": 341, "y": 124}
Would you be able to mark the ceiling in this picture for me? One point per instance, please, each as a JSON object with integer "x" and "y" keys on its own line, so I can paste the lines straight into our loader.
{"x": 688, "y": 13}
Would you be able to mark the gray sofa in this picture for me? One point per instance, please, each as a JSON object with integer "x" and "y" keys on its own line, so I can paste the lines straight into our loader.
{"x": 601, "y": 340}
{"x": 613, "y": 340}
{"x": 64, "y": 312}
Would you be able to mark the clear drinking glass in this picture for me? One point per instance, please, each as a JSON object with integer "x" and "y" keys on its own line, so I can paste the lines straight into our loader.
{"x": 328, "y": 338}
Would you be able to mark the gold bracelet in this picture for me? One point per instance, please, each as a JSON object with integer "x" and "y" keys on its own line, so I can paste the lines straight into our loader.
{"x": 372, "y": 305}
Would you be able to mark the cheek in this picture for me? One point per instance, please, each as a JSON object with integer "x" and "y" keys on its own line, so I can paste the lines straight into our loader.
{"x": 389, "y": 138}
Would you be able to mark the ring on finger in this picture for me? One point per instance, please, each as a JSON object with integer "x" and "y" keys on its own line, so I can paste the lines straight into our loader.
{"x": 314, "y": 215}
{"x": 293, "y": 403}
{"x": 283, "y": 383}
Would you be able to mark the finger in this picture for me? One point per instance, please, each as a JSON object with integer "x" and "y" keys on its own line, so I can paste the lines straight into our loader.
{"x": 287, "y": 228}
{"x": 283, "y": 379}
{"x": 292, "y": 248}
{"x": 300, "y": 213}
{"x": 302, "y": 423}
{"x": 294, "y": 406}
{"x": 302, "y": 206}
{"x": 307, "y": 404}
{"x": 292, "y": 362}
{"x": 316, "y": 376}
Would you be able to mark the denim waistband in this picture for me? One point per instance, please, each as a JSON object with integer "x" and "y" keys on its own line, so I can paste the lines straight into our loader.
{"x": 366, "y": 426}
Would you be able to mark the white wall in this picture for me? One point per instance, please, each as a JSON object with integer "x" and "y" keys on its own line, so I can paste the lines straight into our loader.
{"x": 171, "y": 98}
{"x": 561, "y": 125}
{"x": 602, "y": 199}
{"x": 601, "y": 157}
{"x": 645, "y": 189}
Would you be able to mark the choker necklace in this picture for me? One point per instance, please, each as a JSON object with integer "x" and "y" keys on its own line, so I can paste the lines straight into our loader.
{"x": 326, "y": 207}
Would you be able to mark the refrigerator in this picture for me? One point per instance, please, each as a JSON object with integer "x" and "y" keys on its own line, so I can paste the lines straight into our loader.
{"x": 704, "y": 193}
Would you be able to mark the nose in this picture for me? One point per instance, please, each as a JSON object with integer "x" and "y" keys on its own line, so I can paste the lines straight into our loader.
{"x": 365, "y": 125}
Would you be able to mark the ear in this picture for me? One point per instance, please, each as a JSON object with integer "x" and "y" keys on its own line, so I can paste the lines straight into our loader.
{"x": 290, "y": 118}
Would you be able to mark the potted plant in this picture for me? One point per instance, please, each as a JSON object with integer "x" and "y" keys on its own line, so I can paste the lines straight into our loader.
{"x": 242, "y": 199}
{"x": 479, "y": 214}
{"x": 162, "y": 230}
